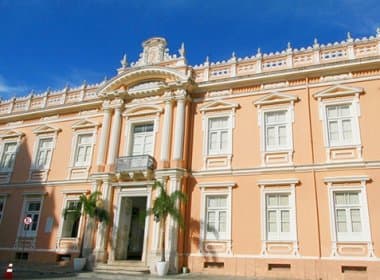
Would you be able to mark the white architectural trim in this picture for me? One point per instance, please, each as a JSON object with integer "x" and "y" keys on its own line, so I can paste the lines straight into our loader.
{"x": 218, "y": 105}
{"x": 347, "y": 179}
{"x": 275, "y": 98}
{"x": 141, "y": 190}
{"x": 142, "y": 110}
{"x": 84, "y": 123}
{"x": 283, "y": 186}
{"x": 208, "y": 189}
{"x": 338, "y": 91}
{"x": 366, "y": 236}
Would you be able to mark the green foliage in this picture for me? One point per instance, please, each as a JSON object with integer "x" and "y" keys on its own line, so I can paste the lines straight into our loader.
{"x": 88, "y": 206}
{"x": 163, "y": 206}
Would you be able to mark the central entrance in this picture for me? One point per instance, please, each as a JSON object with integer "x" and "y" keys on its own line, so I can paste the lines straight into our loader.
{"x": 131, "y": 228}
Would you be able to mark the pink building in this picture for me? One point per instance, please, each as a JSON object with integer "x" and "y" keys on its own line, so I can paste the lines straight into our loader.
{"x": 277, "y": 153}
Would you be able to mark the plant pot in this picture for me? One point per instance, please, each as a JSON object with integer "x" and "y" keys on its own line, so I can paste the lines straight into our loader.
{"x": 79, "y": 264}
{"x": 162, "y": 268}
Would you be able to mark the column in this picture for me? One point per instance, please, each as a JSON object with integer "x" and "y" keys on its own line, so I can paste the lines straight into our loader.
{"x": 179, "y": 125}
{"x": 101, "y": 234}
{"x": 166, "y": 133}
{"x": 104, "y": 135}
{"x": 172, "y": 229}
{"x": 115, "y": 134}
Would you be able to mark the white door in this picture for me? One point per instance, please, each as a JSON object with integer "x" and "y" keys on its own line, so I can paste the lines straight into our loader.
{"x": 142, "y": 142}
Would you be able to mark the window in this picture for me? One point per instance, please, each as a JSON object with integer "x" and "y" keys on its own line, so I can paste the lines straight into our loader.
{"x": 44, "y": 153}
{"x": 278, "y": 224}
{"x": 2, "y": 206}
{"x": 71, "y": 220}
{"x": 32, "y": 210}
{"x": 216, "y": 217}
{"x": 142, "y": 142}
{"x": 348, "y": 215}
{"x": 8, "y": 156}
{"x": 340, "y": 124}
{"x": 276, "y": 130}
{"x": 83, "y": 150}
{"x": 218, "y": 135}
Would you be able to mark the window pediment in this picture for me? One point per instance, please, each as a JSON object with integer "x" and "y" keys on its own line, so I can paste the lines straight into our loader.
{"x": 143, "y": 110}
{"x": 46, "y": 129}
{"x": 275, "y": 98}
{"x": 84, "y": 124}
{"x": 219, "y": 106}
{"x": 338, "y": 91}
{"x": 11, "y": 134}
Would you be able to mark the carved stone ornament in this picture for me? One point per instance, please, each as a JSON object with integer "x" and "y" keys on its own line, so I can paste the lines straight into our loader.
{"x": 154, "y": 50}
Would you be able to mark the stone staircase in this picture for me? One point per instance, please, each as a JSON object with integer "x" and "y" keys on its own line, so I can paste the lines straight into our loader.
{"x": 123, "y": 267}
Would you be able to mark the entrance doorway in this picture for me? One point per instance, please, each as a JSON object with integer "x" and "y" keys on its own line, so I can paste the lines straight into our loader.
{"x": 131, "y": 229}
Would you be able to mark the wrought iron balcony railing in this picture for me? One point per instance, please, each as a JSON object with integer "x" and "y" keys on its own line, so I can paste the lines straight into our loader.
{"x": 135, "y": 163}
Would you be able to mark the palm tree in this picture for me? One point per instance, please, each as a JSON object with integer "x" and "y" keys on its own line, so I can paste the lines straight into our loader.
{"x": 166, "y": 205}
{"x": 90, "y": 206}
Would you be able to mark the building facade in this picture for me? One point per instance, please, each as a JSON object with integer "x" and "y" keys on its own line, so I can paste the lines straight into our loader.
{"x": 277, "y": 153}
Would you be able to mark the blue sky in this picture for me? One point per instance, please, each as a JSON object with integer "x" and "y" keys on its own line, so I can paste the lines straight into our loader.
{"x": 51, "y": 43}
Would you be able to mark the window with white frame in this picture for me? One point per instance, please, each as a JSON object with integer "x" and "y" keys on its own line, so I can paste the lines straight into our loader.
{"x": 32, "y": 210}
{"x": 2, "y": 207}
{"x": 72, "y": 217}
{"x": 142, "y": 140}
{"x": 277, "y": 130}
{"x": 44, "y": 153}
{"x": 348, "y": 215}
{"x": 340, "y": 124}
{"x": 83, "y": 150}
{"x": 216, "y": 217}
{"x": 219, "y": 131}
{"x": 278, "y": 216}
{"x": 8, "y": 155}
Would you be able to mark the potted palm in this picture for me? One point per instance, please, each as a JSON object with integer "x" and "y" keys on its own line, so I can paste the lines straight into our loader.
{"x": 90, "y": 206}
{"x": 165, "y": 205}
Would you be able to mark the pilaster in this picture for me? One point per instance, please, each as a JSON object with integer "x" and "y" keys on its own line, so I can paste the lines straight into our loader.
{"x": 179, "y": 125}
{"x": 167, "y": 129}
{"x": 117, "y": 104}
{"x": 104, "y": 136}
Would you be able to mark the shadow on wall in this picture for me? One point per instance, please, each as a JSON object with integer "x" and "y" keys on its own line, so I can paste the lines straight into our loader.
{"x": 30, "y": 220}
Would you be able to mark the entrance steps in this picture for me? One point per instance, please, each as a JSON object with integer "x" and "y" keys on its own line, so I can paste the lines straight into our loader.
{"x": 123, "y": 267}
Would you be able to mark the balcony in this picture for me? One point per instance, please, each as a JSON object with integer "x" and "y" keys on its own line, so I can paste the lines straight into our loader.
{"x": 135, "y": 167}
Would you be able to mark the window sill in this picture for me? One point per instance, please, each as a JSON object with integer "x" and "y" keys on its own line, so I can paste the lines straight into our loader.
{"x": 213, "y": 162}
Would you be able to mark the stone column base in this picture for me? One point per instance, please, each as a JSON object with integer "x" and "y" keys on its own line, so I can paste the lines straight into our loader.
{"x": 101, "y": 256}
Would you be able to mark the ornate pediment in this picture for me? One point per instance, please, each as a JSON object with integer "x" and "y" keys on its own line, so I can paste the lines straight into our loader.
{"x": 46, "y": 129}
{"x": 142, "y": 80}
{"x": 275, "y": 98}
{"x": 219, "y": 106}
{"x": 84, "y": 124}
{"x": 11, "y": 134}
{"x": 337, "y": 91}
{"x": 141, "y": 110}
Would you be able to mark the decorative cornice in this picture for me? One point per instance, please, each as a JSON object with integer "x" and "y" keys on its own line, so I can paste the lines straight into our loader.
{"x": 338, "y": 91}
{"x": 278, "y": 182}
{"x": 346, "y": 179}
{"x": 217, "y": 185}
{"x": 275, "y": 98}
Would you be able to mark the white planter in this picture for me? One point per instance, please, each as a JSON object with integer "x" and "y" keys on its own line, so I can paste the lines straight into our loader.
{"x": 79, "y": 264}
{"x": 162, "y": 268}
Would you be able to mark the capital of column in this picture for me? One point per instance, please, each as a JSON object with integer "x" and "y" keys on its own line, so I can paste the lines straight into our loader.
{"x": 106, "y": 106}
{"x": 180, "y": 94}
{"x": 117, "y": 104}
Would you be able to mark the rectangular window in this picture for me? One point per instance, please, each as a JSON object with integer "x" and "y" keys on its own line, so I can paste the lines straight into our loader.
{"x": 340, "y": 124}
{"x": 218, "y": 136}
{"x": 276, "y": 130}
{"x": 32, "y": 210}
{"x": 8, "y": 156}
{"x": 71, "y": 220}
{"x": 44, "y": 152}
{"x": 142, "y": 142}
{"x": 83, "y": 150}
{"x": 348, "y": 215}
{"x": 2, "y": 206}
{"x": 216, "y": 217}
{"x": 278, "y": 213}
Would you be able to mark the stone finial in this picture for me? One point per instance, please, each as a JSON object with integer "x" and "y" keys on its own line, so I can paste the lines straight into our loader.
{"x": 349, "y": 37}
{"x": 378, "y": 32}
{"x": 124, "y": 62}
{"x": 258, "y": 54}
{"x": 84, "y": 85}
{"x": 315, "y": 43}
{"x": 182, "y": 51}
{"x": 207, "y": 60}
{"x": 66, "y": 88}
{"x": 105, "y": 79}
{"x": 289, "y": 46}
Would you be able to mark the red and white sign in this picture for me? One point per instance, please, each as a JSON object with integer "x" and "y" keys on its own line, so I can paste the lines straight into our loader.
{"x": 27, "y": 220}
